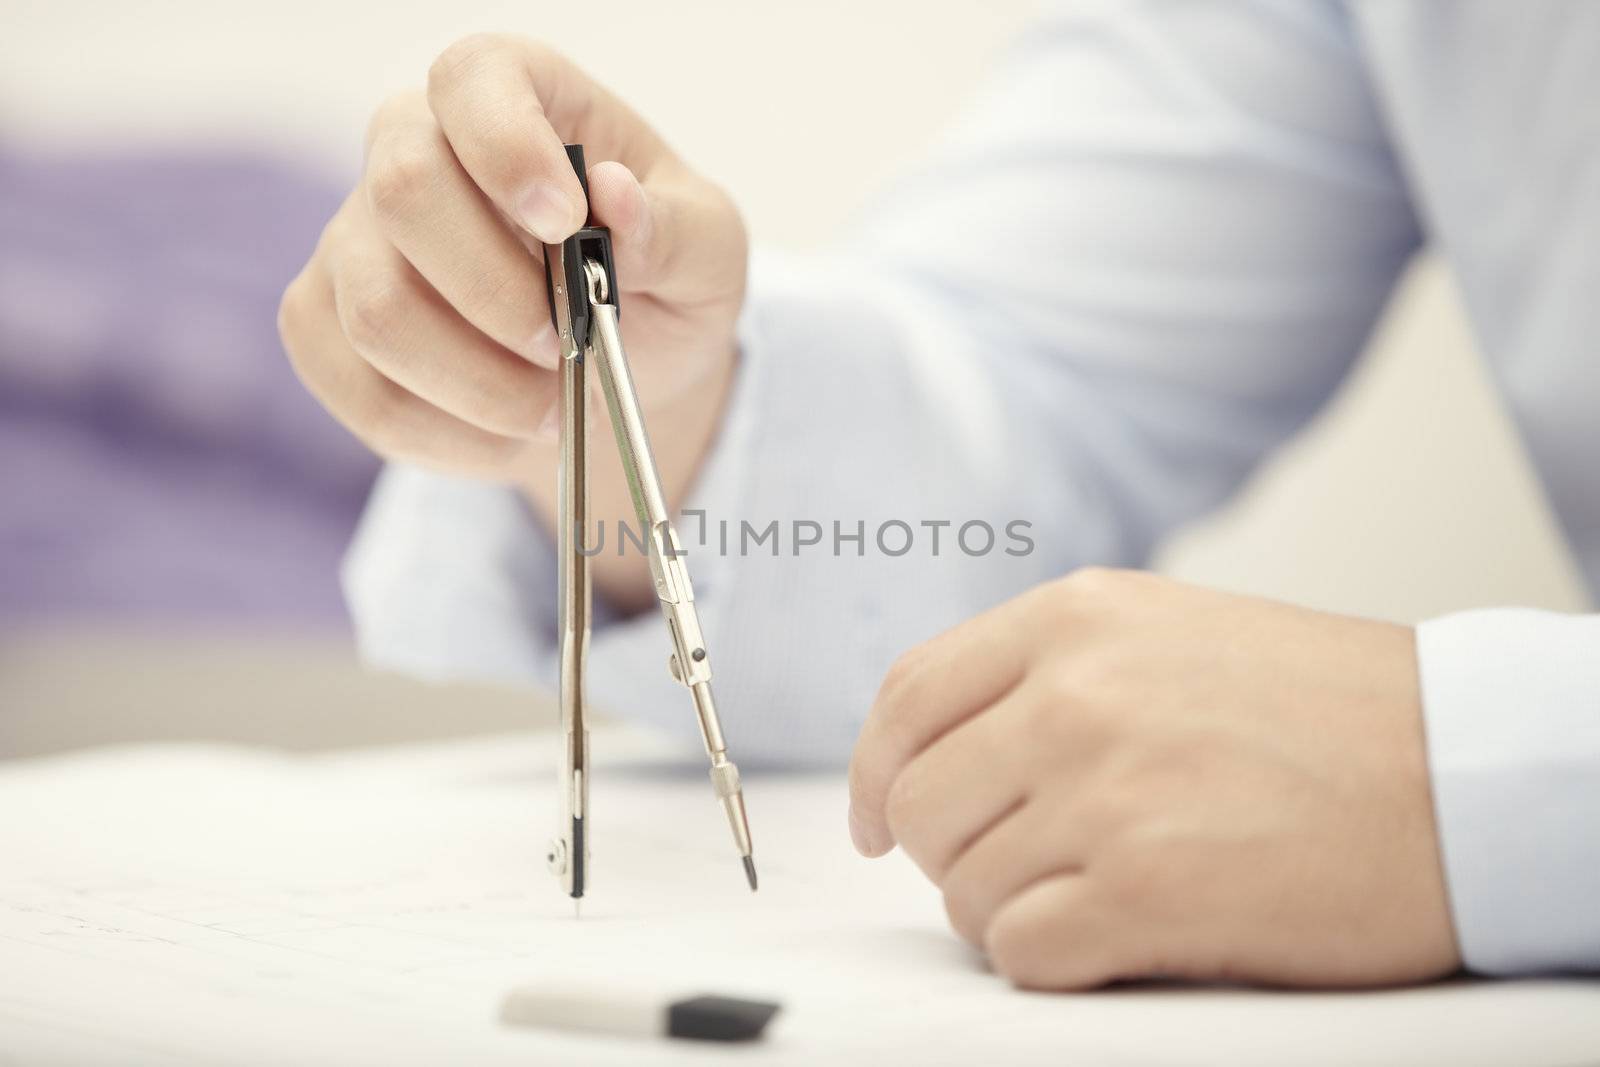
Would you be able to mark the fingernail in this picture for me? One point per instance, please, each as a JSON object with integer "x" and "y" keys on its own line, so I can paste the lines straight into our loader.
{"x": 860, "y": 836}
{"x": 542, "y": 348}
{"x": 550, "y": 426}
{"x": 548, "y": 213}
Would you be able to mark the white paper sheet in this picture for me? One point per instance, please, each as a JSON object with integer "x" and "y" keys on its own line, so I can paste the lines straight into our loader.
{"x": 196, "y": 904}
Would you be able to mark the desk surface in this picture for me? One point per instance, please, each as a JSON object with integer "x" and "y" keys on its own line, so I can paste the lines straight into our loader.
{"x": 206, "y": 904}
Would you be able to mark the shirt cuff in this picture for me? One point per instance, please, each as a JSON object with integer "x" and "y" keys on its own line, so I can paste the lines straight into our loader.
{"x": 1511, "y": 701}
{"x": 450, "y": 579}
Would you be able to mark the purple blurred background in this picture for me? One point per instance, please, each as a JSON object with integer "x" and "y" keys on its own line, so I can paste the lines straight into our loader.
{"x": 159, "y": 461}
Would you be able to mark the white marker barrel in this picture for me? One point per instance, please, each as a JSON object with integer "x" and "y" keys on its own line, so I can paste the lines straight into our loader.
{"x": 606, "y": 1010}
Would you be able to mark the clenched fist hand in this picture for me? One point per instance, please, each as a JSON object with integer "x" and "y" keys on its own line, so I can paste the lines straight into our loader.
{"x": 421, "y": 320}
{"x": 1118, "y": 776}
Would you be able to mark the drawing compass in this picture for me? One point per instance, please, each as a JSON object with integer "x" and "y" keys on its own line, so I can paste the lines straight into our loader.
{"x": 581, "y": 280}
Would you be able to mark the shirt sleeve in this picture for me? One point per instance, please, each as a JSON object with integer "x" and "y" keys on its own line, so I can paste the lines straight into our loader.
{"x": 1512, "y": 709}
{"x": 1142, "y": 258}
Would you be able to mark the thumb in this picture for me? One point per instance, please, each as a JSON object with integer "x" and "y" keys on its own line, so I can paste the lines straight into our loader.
{"x": 669, "y": 238}
{"x": 618, "y": 202}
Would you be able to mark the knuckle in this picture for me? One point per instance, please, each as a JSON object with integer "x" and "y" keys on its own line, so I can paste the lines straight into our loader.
{"x": 898, "y": 683}
{"x": 396, "y": 110}
{"x": 1063, "y": 714}
{"x": 402, "y": 173}
{"x": 292, "y": 315}
{"x": 1094, "y": 582}
{"x": 298, "y": 311}
{"x": 1082, "y": 698}
{"x": 1071, "y": 698}
{"x": 371, "y": 313}
{"x": 535, "y": 54}
{"x": 463, "y": 58}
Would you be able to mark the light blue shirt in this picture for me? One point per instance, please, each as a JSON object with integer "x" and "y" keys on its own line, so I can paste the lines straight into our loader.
{"x": 1134, "y": 266}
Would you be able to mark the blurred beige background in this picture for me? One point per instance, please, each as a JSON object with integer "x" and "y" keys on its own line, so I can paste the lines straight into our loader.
{"x": 1408, "y": 498}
